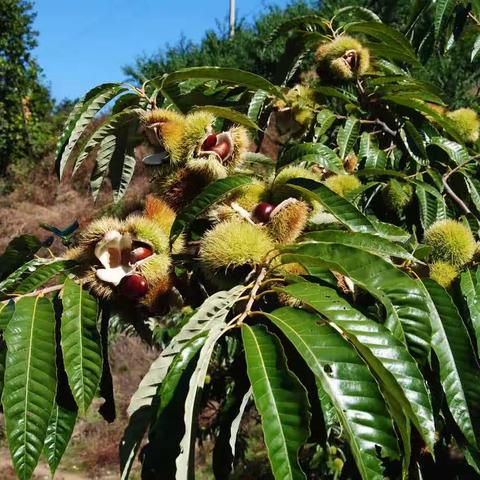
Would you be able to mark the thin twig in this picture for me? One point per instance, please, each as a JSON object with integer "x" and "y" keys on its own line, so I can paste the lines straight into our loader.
{"x": 454, "y": 196}
{"x": 43, "y": 291}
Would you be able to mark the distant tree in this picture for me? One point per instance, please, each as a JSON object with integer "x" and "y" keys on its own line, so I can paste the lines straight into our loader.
{"x": 25, "y": 103}
{"x": 450, "y": 70}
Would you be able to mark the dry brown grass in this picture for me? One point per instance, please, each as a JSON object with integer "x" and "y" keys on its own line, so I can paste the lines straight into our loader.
{"x": 41, "y": 198}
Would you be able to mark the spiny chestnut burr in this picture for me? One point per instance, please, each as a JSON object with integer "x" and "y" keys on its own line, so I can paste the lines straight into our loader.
{"x": 133, "y": 286}
{"x": 262, "y": 211}
{"x": 140, "y": 253}
{"x": 209, "y": 142}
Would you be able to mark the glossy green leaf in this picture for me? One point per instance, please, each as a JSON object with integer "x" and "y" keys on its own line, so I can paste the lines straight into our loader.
{"x": 228, "y": 75}
{"x": 30, "y": 381}
{"x": 281, "y": 401}
{"x": 229, "y": 114}
{"x": 392, "y": 38}
{"x": 403, "y": 297}
{"x": 214, "y": 310}
{"x": 456, "y": 152}
{"x": 387, "y": 357}
{"x": 349, "y": 385}
{"x": 81, "y": 343}
{"x": 59, "y": 432}
{"x": 311, "y": 153}
{"x": 325, "y": 119}
{"x": 374, "y": 157}
{"x": 42, "y": 275}
{"x": 345, "y": 212}
{"x": 256, "y": 105}
{"x": 459, "y": 370}
{"x": 364, "y": 241}
{"x": 7, "y": 285}
{"x": 470, "y": 287}
{"x": 210, "y": 195}
{"x": 78, "y": 121}
{"x": 431, "y": 206}
{"x": 347, "y": 136}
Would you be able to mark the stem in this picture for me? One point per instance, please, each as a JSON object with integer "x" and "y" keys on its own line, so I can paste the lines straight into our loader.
{"x": 253, "y": 294}
{"x": 43, "y": 291}
{"x": 454, "y": 196}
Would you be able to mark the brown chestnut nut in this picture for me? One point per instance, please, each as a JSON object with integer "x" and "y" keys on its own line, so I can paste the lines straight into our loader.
{"x": 133, "y": 286}
{"x": 262, "y": 211}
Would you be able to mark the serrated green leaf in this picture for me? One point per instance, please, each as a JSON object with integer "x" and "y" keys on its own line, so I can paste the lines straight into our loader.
{"x": 30, "y": 381}
{"x": 80, "y": 118}
{"x": 311, "y": 153}
{"x": 224, "y": 74}
{"x": 210, "y": 195}
{"x": 185, "y": 462}
{"x": 391, "y": 37}
{"x": 403, "y": 297}
{"x": 168, "y": 427}
{"x": 7, "y": 285}
{"x": 59, "y": 432}
{"x": 349, "y": 385}
{"x": 459, "y": 370}
{"x": 345, "y": 212}
{"x": 256, "y": 105}
{"x": 223, "y": 455}
{"x": 122, "y": 176}
{"x": 443, "y": 11}
{"x": 386, "y": 356}
{"x": 80, "y": 343}
{"x": 109, "y": 128}
{"x": 281, "y": 401}
{"x": 432, "y": 206}
{"x": 456, "y": 152}
{"x": 347, "y": 136}
{"x": 364, "y": 241}
{"x": 374, "y": 157}
{"x": 42, "y": 275}
{"x": 325, "y": 120}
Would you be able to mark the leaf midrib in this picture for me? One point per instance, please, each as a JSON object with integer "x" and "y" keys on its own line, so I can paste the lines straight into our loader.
{"x": 29, "y": 357}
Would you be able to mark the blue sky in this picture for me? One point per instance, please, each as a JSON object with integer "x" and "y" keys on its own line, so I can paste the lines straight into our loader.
{"x": 86, "y": 42}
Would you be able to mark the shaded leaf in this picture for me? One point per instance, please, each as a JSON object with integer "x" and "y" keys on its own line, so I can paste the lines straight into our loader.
{"x": 80, "y": 343}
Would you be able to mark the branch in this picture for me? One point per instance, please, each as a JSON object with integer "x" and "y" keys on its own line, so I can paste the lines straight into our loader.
{"x": 43, "y": 291}
{"x": 253, "y": 294}
{"x": 454, "y": 196}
